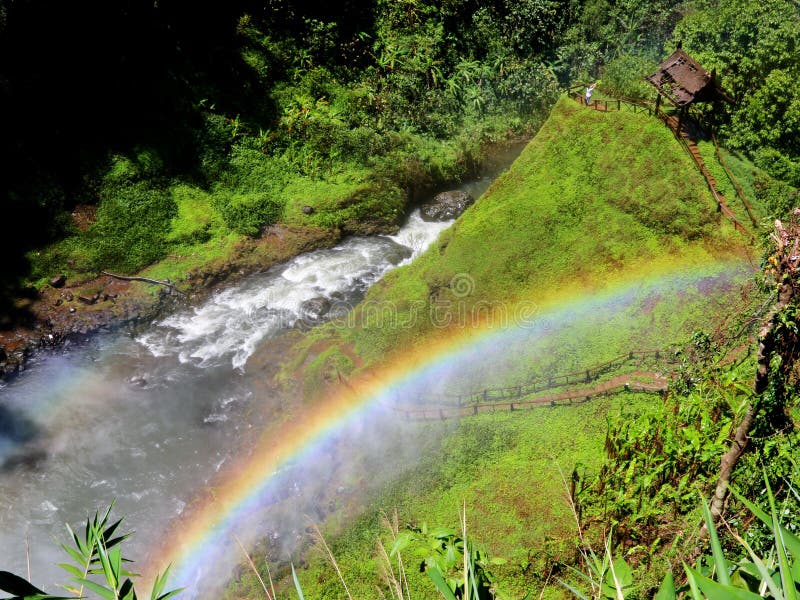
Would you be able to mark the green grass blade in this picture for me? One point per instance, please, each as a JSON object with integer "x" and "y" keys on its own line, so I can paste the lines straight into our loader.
{"x": 693, "y": 589}
{"x": 716, "y": 548}
{"x": 297, "y": 584}
{"x": 791, "y": 541}
{"x": 762, "y": 570}
{"x": 577, "y": 593}
{"x": 789, "y": 591}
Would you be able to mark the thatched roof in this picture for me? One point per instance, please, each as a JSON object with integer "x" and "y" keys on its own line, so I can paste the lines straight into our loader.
{"x": 682, "y": 81}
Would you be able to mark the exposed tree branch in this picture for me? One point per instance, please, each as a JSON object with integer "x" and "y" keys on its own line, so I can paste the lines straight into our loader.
{"x": 168, "y": 284}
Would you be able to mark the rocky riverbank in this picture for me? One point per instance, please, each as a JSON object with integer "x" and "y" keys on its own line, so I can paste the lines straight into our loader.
{"x": 66, "y": 311}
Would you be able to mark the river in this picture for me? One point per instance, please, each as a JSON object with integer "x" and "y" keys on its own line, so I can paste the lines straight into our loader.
{"x": 149, "y": 420}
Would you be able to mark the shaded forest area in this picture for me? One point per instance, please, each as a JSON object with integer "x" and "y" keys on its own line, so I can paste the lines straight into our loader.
{"x": 113, "y": 105}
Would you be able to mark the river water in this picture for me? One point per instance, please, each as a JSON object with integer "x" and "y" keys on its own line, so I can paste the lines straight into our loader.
{"x": 150, "y": 420}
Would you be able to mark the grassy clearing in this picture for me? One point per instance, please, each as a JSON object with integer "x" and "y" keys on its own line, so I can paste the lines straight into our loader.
{"x": 505, "y": 466}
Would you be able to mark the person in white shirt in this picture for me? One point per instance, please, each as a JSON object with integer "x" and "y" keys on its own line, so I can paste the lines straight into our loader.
{"x": 589, "y": 91}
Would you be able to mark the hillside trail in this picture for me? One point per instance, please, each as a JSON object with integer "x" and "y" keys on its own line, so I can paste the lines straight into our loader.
{"x": 538, "y": 392}
{"x": 687, "y": 133}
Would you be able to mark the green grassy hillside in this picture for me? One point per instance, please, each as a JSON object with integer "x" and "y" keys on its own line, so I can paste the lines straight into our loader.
{"x": 595, "y": 202}
{"x": 604, "y": 231}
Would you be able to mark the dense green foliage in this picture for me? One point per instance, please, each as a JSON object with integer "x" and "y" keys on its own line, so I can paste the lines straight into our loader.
{"x": 754, "y": 48}
{"x": 269, "y": 108}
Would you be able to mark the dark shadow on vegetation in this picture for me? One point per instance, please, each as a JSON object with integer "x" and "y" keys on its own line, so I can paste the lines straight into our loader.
{"x": 80, "y": 81}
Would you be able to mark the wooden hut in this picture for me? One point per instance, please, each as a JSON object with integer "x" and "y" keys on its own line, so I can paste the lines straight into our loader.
{"x": 682, "y": 81}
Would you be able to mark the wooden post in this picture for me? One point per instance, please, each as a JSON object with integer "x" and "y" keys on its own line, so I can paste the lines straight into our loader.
{"x": 519, "y": 391}
{"x": 511, "y": 406}
{"x": 658, "y": 102}
{"x": 474, "y": 409}
{"x": 588, "y": 376}
{"x": 485, "y": 396}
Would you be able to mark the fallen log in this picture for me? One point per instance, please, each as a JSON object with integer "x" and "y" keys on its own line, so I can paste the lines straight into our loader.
{"x": 168, "y": 284}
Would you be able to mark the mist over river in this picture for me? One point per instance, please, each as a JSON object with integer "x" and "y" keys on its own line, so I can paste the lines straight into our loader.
{"x": 150, "y": 421}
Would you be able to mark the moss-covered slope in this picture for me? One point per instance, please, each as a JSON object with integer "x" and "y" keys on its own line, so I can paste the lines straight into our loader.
{"x": 595, "y": 203}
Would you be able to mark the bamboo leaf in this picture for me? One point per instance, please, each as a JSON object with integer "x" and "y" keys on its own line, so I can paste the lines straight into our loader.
{"x": 71, "y": 569}
{"x": 14, "y": 584}
{"x": 126, "y": 592}
{"x": 98, "y": 589}
{"x": 75, "y": 555}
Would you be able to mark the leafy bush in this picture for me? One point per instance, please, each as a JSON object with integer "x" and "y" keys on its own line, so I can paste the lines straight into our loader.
{"x": 143, "y": 163}
{"x": 133, "y": 221}
{"x": 624, "y": 76}
{"x": 248, "y": 213}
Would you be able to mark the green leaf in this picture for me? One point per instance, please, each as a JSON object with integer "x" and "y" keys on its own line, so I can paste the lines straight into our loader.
{"x": 297, "y": 584}
{"x": 783, "y": 561}
{"x": 401, "y": 543}
{"x": 718, "y": 591}
{"x": 126, "y": 592}
{"x": 440, "y": 584}
{"x": 98, "y": 589}
{"x": 75, "y": 555}
{"x": 791, "y": 540}
{"x": 115, "y": 561}
{"x": 14, "y": 584}
{"x": 716, "y": 548}
{"x": 72, "y": 570}
{"x": 442, "y": 533}
{"x": 666, "y": 590}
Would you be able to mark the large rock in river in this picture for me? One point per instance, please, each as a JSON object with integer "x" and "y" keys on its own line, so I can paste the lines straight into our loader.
{"x": 446, "y": 206}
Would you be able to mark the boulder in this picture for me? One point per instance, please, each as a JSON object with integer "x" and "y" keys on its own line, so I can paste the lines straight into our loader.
{"x": 315, "y": 308}
{"x": 308, "y": 210}
{"x": 58, "y": 281}
{"x": 446, "y": 206}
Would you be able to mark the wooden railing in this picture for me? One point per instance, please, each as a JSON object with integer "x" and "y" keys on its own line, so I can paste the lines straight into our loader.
{"x": 734, "y": 182}
{"x": 550, "y": 382}
{"x": 676, "y": 126}
{"x": 656, "y": 384}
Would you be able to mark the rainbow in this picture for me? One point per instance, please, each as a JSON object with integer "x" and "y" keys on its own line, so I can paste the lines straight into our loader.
{"x": 204, "y": 535}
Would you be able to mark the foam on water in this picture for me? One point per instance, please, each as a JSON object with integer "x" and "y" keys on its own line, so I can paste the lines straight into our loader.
{"x": 232, "y": 324}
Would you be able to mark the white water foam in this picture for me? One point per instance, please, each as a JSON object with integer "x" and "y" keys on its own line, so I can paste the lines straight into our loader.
{"x": 232, "y": 324}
